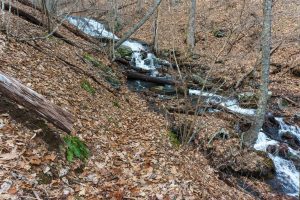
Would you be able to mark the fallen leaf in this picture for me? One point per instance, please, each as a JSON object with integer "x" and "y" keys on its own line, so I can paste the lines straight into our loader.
{"x": 9, "y": 156}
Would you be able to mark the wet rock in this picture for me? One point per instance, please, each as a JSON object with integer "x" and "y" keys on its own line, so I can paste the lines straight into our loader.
{"x": 291, "y": 139}
{"x": 271, "y": 126}
{"x": 281, "y": 150}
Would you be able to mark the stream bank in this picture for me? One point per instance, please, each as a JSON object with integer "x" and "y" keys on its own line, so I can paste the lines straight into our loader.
{"x": 237, "y": 159}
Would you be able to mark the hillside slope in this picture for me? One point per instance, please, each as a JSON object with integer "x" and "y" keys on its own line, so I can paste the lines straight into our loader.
{"x": 131, "y": 154}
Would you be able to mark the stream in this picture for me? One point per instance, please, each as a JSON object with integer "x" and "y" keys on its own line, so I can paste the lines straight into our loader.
{"x": 284, "y": 154}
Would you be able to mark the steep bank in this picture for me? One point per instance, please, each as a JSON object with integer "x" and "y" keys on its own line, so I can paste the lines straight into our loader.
{"x": 131, "y": 154}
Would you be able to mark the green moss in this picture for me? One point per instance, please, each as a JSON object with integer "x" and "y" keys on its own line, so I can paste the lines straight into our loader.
{"x": 116, "y": 104}
{"x": 124, "y": 51}
{"x": 92, "y": 60}
{"x": 88, "y": 87}
{"x": 174, "y": 139}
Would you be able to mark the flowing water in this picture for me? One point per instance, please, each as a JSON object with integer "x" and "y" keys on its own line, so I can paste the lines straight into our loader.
{"x": 286, "y": 173}
{"x": 287, "y": 176}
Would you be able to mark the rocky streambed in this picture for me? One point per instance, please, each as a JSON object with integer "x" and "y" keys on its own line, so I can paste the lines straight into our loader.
{"x": 278, "y": 140}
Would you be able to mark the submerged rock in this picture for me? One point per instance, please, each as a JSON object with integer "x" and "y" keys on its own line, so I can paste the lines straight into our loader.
{"x": 281, "y": 150}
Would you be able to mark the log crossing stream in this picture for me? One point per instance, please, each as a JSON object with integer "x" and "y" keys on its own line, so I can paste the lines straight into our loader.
{"x": 284, "y": 153}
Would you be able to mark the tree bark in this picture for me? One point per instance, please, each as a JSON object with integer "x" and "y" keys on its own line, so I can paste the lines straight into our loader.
{"x": 191, "y": 27}
{"x": 139, "y": 24}
{"x": 155, "y": 32}
{"x": 251, "y": 137}
{"x": 28, "y": 98}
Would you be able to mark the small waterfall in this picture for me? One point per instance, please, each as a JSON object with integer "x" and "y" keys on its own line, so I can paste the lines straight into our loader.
{"x": 287, "y": 176}
{"x": 96, "y": 29}
{"x": 286, "y": 173}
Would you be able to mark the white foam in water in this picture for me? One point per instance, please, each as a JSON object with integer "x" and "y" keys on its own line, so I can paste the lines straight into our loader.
{"x": 91, "y": 27}
{"x": 287, "y": 174}
{"x": 96, "y": 29}
{"x": 263, "y": 141}
{"x": 286, "y": 171}
{"x": 139, "y": 62}
{"x": 294, "y": 130}
{"x": 134, "y": 46}
{"x": 230, "y": 104}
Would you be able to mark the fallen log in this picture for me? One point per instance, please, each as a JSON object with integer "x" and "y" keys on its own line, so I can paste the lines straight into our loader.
{"x": 143, "y": 77}
{"x": 33, "y": 101}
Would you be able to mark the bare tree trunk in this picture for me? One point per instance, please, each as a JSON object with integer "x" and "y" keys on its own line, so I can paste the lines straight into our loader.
{"x": 113, "y": 22}
{"x": 155, "y": 32}
{"x": 191, "y": 27}
{"x": 139, "y": 6}
{"x": 251, "y": 136}
{"x": 139, "y": 24}
{"x": 23, "y": 95}
{"x": 47, "y": 13}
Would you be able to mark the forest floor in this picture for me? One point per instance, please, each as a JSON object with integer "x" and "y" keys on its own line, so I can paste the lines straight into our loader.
{"x": 131, "y": 153}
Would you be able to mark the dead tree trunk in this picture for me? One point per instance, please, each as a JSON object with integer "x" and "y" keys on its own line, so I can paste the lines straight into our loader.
{"x": 139, "y": 24}
{"x": 28, "y": 98}
{"x": 143, "y": 77}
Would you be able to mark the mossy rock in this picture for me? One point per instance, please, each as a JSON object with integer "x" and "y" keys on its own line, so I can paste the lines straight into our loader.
{"x": 124, "y": 52}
